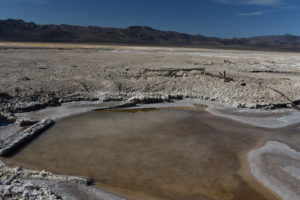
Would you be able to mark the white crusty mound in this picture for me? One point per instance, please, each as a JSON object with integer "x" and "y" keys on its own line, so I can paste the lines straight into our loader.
{"x": 19, "y": 183}
{"x": 277, "y": 166}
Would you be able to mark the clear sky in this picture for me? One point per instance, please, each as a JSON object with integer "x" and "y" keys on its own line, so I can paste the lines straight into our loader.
{"x": 221, "y": 18}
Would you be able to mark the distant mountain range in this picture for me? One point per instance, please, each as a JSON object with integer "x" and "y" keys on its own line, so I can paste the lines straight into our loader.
{"x": 18, "y": 30}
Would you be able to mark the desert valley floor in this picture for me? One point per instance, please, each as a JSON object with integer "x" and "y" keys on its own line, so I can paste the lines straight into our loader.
{"x": 202, "y": 123}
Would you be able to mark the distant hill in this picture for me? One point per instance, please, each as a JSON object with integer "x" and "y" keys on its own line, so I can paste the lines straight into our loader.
{"x": 18, "y": 30}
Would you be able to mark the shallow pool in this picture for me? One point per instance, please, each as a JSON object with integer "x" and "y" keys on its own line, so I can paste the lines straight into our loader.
{"x": 155, "y": 153}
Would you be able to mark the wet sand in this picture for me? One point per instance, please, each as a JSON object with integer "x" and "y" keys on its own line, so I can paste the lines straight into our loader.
{"x": 158, "y": 154}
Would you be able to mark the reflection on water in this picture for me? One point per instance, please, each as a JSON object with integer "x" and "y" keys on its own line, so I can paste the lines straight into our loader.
{"x": 163, "y": 154}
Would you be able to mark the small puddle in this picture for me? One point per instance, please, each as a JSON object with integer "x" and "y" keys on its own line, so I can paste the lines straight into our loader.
{"x": 155, "y": 153}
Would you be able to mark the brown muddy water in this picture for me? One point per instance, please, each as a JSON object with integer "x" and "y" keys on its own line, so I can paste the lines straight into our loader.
{"x": 156, "y": 153}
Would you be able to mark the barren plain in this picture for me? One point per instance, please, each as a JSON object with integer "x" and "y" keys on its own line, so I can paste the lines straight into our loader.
{"x": 45, "y": 74}
{"x": 44, "y": 80}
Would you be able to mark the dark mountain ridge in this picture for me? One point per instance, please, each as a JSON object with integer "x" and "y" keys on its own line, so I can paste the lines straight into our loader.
{"x": 18, "y": 30}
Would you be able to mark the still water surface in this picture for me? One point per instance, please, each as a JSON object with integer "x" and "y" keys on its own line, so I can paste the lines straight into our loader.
{"x": 154, "y": 153}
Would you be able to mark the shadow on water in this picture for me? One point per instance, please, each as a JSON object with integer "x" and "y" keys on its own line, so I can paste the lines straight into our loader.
{"x": 153, "y": 153}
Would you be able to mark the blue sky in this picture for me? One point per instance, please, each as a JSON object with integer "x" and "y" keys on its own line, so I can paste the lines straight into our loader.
{"x": 221, "y": 18}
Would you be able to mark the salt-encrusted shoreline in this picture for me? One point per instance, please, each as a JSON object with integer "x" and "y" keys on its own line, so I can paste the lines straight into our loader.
{"x": 277, "y": 166}
{"x": 9, "y": 145}
{"x": 16, "y": 183}
{"x": 20, "y": 183}
{"x": 79, "y": 107}
{"x": 32, "y": 79}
